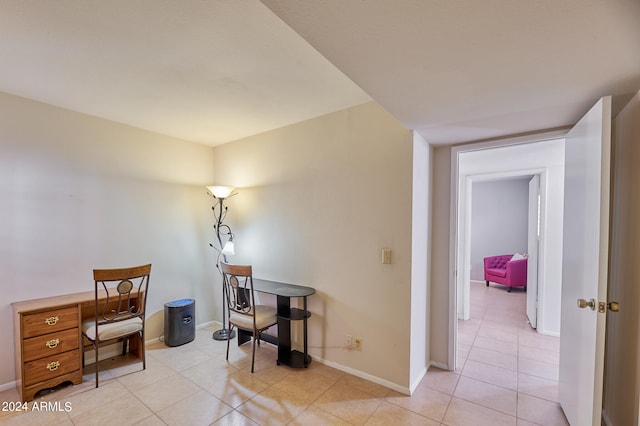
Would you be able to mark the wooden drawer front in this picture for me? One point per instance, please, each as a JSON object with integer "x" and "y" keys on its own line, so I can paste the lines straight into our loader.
{"x": 29, "y": 392}
{"x": 49, "y": 321}
{"x": 52, "y": 366}
{"x": 50, "y": 344}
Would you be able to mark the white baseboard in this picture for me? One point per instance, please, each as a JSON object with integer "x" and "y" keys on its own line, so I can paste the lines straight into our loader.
{"x": 352, "y": 371}
{"x": 156, "y": 340}
{"x": 439, "y": 365}
{"x": 548, "y": 333}
{"x": 105, "y": 352}
{"x": 198, "y": 327}
{"x": 417, "y": 381}
{"x": 7, "y": 386}
{"x": 208, "y": 324}
{"x": 346, "y": 369}
{"x": 113, "y": 350}
{"x": 363, "y": 375}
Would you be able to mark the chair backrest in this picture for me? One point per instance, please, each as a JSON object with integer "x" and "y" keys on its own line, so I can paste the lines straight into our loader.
{"x": 121, "y": 294}
{"x": 238, "y": 288}
{"x": 497, "y": 262}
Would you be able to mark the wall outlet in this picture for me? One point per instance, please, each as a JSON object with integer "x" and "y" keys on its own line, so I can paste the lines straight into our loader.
{"x": 357, "y": 343}
{"x": 348, "y": 341}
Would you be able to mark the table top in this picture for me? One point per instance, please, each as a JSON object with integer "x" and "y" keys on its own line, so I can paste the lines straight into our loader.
{"x": 84, "y": 298}
{"x": 282, "y": 289}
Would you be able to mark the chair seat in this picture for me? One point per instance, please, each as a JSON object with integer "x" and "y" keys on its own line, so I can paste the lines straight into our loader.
{"x": 112, "y": 330}
{"x": 265, "y": 317}
{"x": 497, "y": 272}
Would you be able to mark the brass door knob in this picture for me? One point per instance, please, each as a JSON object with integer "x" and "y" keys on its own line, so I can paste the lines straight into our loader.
{"x": 582, "y": 303}
{"x": 613, "y": 306}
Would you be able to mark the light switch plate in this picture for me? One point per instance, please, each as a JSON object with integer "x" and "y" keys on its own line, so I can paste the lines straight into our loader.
{"x": 386, "y": 256}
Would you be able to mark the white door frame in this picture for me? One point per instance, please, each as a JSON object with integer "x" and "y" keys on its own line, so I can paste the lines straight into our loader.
{"x": 456, "y": 250}
{"x": 534, "y": 234}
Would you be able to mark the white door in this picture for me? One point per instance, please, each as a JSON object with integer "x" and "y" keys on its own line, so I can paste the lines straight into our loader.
{"x": 585, "y": 265}
{"x": 533, "y": 240}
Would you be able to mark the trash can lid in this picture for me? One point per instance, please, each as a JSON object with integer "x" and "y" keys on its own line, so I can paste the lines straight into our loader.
{"x": 178, "y": 303}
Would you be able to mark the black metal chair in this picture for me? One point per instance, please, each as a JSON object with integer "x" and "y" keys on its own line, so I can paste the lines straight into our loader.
{"x": 120, "y": 301}
{"x": 244, "y": 313}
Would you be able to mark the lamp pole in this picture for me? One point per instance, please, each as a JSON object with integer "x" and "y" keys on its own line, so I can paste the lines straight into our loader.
{"x": 220, "y": 193}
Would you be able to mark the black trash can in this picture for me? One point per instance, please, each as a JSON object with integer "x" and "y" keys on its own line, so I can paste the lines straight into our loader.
{"x": 179, "y": 322}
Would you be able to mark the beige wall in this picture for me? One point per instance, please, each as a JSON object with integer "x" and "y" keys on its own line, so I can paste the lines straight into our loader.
{"x": 317, "y": 201}
{"x": 78, "y": 193}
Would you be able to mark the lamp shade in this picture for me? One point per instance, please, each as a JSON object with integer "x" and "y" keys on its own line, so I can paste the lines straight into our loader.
{"x": 228, "y": 248}
{"x": 221, "y": 191}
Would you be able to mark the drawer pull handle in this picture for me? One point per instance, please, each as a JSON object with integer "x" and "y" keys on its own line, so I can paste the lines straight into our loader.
{"x": 52, "y": 343}
{"x": 51, "y": 320}
{"x": 52, "y": 366}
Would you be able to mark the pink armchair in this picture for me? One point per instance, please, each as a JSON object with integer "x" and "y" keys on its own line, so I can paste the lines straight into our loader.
{"x": 502, "y": 270}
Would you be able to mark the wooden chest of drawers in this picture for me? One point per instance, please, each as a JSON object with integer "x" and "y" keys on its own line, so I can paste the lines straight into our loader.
{"x": 47, "y": 345}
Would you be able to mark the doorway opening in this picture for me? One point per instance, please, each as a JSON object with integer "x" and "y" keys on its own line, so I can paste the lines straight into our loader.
{"x": 503, "y": 218}
{"x": 541, "y": 161}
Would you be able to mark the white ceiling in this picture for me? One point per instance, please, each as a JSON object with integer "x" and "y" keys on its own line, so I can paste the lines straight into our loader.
{"x": 202, "y": 70}
{"x": 212, "y": 71}
{"x": 460, "y": 70}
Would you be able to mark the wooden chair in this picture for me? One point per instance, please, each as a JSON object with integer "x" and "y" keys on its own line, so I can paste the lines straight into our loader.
{"x": 244, "y": 313}
{"x": 120, "y": 301}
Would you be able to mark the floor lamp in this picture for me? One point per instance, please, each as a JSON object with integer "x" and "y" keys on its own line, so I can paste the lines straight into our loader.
{"x": 221, "y": 193}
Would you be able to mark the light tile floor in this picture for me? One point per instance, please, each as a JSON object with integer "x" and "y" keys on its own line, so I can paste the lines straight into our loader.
{"x": 507, "y": 375}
